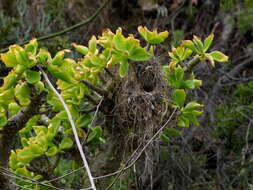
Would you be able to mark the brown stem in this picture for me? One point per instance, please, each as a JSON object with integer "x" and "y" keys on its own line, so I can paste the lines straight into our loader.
{"x": 97, "y": 89}
{"x": 91, "y": 99}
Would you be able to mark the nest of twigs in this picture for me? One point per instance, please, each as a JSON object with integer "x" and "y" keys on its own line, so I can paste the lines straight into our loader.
{"x": 139, "y": 103}
{"x": 139, "y": 110}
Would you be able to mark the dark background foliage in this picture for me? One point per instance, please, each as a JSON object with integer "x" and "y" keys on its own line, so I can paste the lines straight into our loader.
{"x": 219, "y": 153}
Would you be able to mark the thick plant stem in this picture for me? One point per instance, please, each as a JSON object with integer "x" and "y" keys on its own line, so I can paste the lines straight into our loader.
{"x": 79, "y": 146}
{"x": 97, "y": 89}
{"x": 191, "y": 64}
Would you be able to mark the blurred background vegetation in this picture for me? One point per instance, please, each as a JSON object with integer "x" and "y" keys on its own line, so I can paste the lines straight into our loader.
{"x": 219, "y": 153}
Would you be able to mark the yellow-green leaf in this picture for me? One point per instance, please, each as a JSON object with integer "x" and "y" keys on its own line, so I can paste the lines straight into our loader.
{"x": 218, "y": 56}
{"x": 3, "y": 120}
{"x": 32, "y": 76}
{"x": 66, "y": 143}
{"x": 123, "y": 68}
{"x": 52, "y": 151}
{"x": 208, "y": 41}
{"x": 178, "y": 97}
{"x": 139, "y": 54}
{"x": 81, "y": 49}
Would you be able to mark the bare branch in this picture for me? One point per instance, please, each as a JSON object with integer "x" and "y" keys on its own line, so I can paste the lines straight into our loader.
{"x": 97, "y": 89}
{"x": 89, "y": 110}
{"x": 26, "y": 179}
{"x": 93, "y": 119}
{"x": 191, "y": 64}
{"x": 91, "y": 99}
{"x": 102, "y": 78}
{"x": 109, "y": 73}
{"x": 67, "y": 174}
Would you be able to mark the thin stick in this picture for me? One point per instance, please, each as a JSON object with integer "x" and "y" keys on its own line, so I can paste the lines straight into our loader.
{"x": 93, "y": 120}
{"x": 22, "y": 187}
{"x": 26, "y": 179}
{"x": 67, "y": 174}
{"x": 79, "y": 146}
{"x": 97, "y": 89}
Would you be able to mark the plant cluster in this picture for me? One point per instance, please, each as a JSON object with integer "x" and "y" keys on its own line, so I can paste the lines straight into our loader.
{"x": 48, "y": 133}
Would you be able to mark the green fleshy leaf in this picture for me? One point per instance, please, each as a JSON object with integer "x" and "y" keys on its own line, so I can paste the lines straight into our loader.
{"x": 39, "y": 86}
{"x": 13, "y": 108}
{"x": 10, "y": 81}
{"x": 218, "y": 56}
{"x": 139, "y": 54}
{"x": 43, "y": 56}
{"x": 83, "y": 120}
{"x": 189, "y": 84}
{"x": 40, "y": 129}
{"x": 123, "y": 68}
{"x": 52, "y": 151}
{"x": 208, "y": 41}
{"x": 24, "y": 141}
{"x": 179, "y": 73}
{"x": 81, "y": 49}
{"x": 13, "y": 162}
{"x": 190, "y": 45}
{"x": 66, "y": 143}
{"x": 178, "y": 97}
{"x": 192, "y": 106}
{"x": 210, "y": 59}
{"x": 119, "y": 40}
{"x": 198, "y": 45}
{"x": 95, "y": 135}
{"x": 32, "y": 76}
{"x": 165, "y": 138}
{"x": 31, "y": 122}
{"x": 32, "y": 46}
{"x": 25, "y": 155}
{"x": 171, "y": 132}
{"x": 23, "y": 93}
{"x": 53, "y": 127}
{"x": 93, "y": 44}
{"x": 183, "y": 122}
{"x": 58, "y": 59}
{"x": 6, "y": 97}
{"x": 36, "y": 149}
{"x": 22, "y": 172}
{"x": 152, "y": 37}
{"x": 3, "y": 121}
{"x": 60, "y": 74}
{"x": 9, "y": 59}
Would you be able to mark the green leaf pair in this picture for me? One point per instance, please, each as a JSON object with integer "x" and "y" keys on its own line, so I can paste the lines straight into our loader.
{"x": 189, "y": 114}
{"x": 153, "y": 37}
{"x": 21, "y": 58}
{"x": 178, "y": 55}
{"x": 170, "y": 132}
{"x": 128, "y": 48}
{"x": 96, "y": 135}
{"x": 200, "y": 48}
{"x": 175, "y": 78}
{"x": 23, "y": 94}
{"x": 197, "y": 46}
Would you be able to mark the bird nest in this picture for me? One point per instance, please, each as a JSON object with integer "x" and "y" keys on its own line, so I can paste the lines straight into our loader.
{"x": 140, "y": 102}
